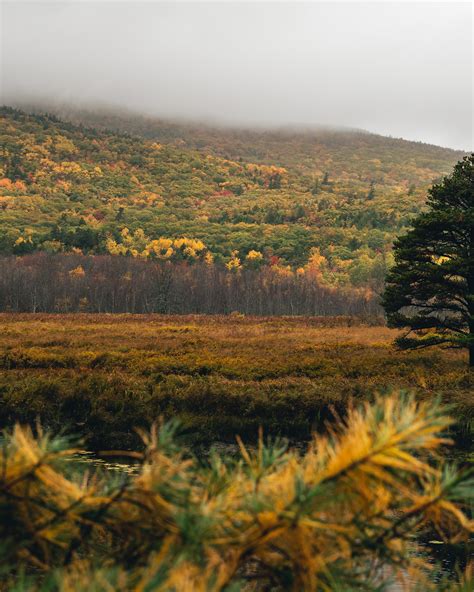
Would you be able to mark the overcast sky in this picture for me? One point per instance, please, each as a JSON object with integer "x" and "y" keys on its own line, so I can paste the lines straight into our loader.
{"x": 402, "y": 68}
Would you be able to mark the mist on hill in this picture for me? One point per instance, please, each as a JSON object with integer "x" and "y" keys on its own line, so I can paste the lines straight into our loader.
{"x": 400, "y": 69}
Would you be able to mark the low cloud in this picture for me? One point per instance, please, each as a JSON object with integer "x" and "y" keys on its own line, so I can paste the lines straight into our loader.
{"x": 401, "y": 69}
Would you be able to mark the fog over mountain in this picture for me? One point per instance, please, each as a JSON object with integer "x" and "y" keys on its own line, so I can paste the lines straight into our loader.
{"x": 401, "y": 69}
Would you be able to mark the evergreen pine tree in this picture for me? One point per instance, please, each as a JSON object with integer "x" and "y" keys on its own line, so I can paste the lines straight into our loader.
{"x": 430, "y": 289}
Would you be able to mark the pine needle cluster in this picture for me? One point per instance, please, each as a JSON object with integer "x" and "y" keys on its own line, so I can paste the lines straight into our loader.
{"x": 343, "y": 516}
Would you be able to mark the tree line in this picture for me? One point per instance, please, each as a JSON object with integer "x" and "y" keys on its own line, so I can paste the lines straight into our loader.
{"x": 44, "y": 282}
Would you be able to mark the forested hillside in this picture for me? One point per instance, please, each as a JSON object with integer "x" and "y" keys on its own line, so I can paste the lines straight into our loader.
{"x": 324, "y": 203}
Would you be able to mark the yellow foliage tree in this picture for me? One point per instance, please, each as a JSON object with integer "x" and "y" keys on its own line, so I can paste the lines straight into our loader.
{"x": 234, "y": 262}
{"x": 77, "y": 272}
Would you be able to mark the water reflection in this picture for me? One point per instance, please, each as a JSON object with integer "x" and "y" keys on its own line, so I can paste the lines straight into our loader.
{"x": 120, "y": 465}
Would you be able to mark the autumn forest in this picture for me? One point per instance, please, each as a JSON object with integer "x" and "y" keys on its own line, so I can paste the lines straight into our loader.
{"x": 324, "y": 204}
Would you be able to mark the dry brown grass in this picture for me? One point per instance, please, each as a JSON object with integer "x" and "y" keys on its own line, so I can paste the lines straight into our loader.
{"x": 219, "y": 374}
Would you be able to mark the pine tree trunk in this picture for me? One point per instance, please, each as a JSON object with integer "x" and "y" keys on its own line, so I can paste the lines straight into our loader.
{"x": 471, "y": 329}
{"x": 471, "y": 341}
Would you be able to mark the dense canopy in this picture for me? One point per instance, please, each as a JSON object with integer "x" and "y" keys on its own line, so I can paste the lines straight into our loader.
{"x": 326, "y": 201}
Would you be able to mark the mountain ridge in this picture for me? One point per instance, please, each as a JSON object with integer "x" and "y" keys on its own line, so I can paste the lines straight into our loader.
{"x": 320, "y": 201}
{"x": 103, "y": 112}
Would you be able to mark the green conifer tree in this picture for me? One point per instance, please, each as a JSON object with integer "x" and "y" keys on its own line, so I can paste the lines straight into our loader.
{"x": 430, "y": 289}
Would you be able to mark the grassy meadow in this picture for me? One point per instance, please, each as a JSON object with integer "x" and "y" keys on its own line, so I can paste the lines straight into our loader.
{"x": 101, "y": 376}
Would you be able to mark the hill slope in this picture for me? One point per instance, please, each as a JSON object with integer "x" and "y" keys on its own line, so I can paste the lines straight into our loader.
{"x": 345, "y": 153}
{"x": 328, "y": 199}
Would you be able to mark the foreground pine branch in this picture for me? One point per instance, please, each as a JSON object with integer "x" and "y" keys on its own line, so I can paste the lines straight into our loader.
{"x": 343, "y": 516}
